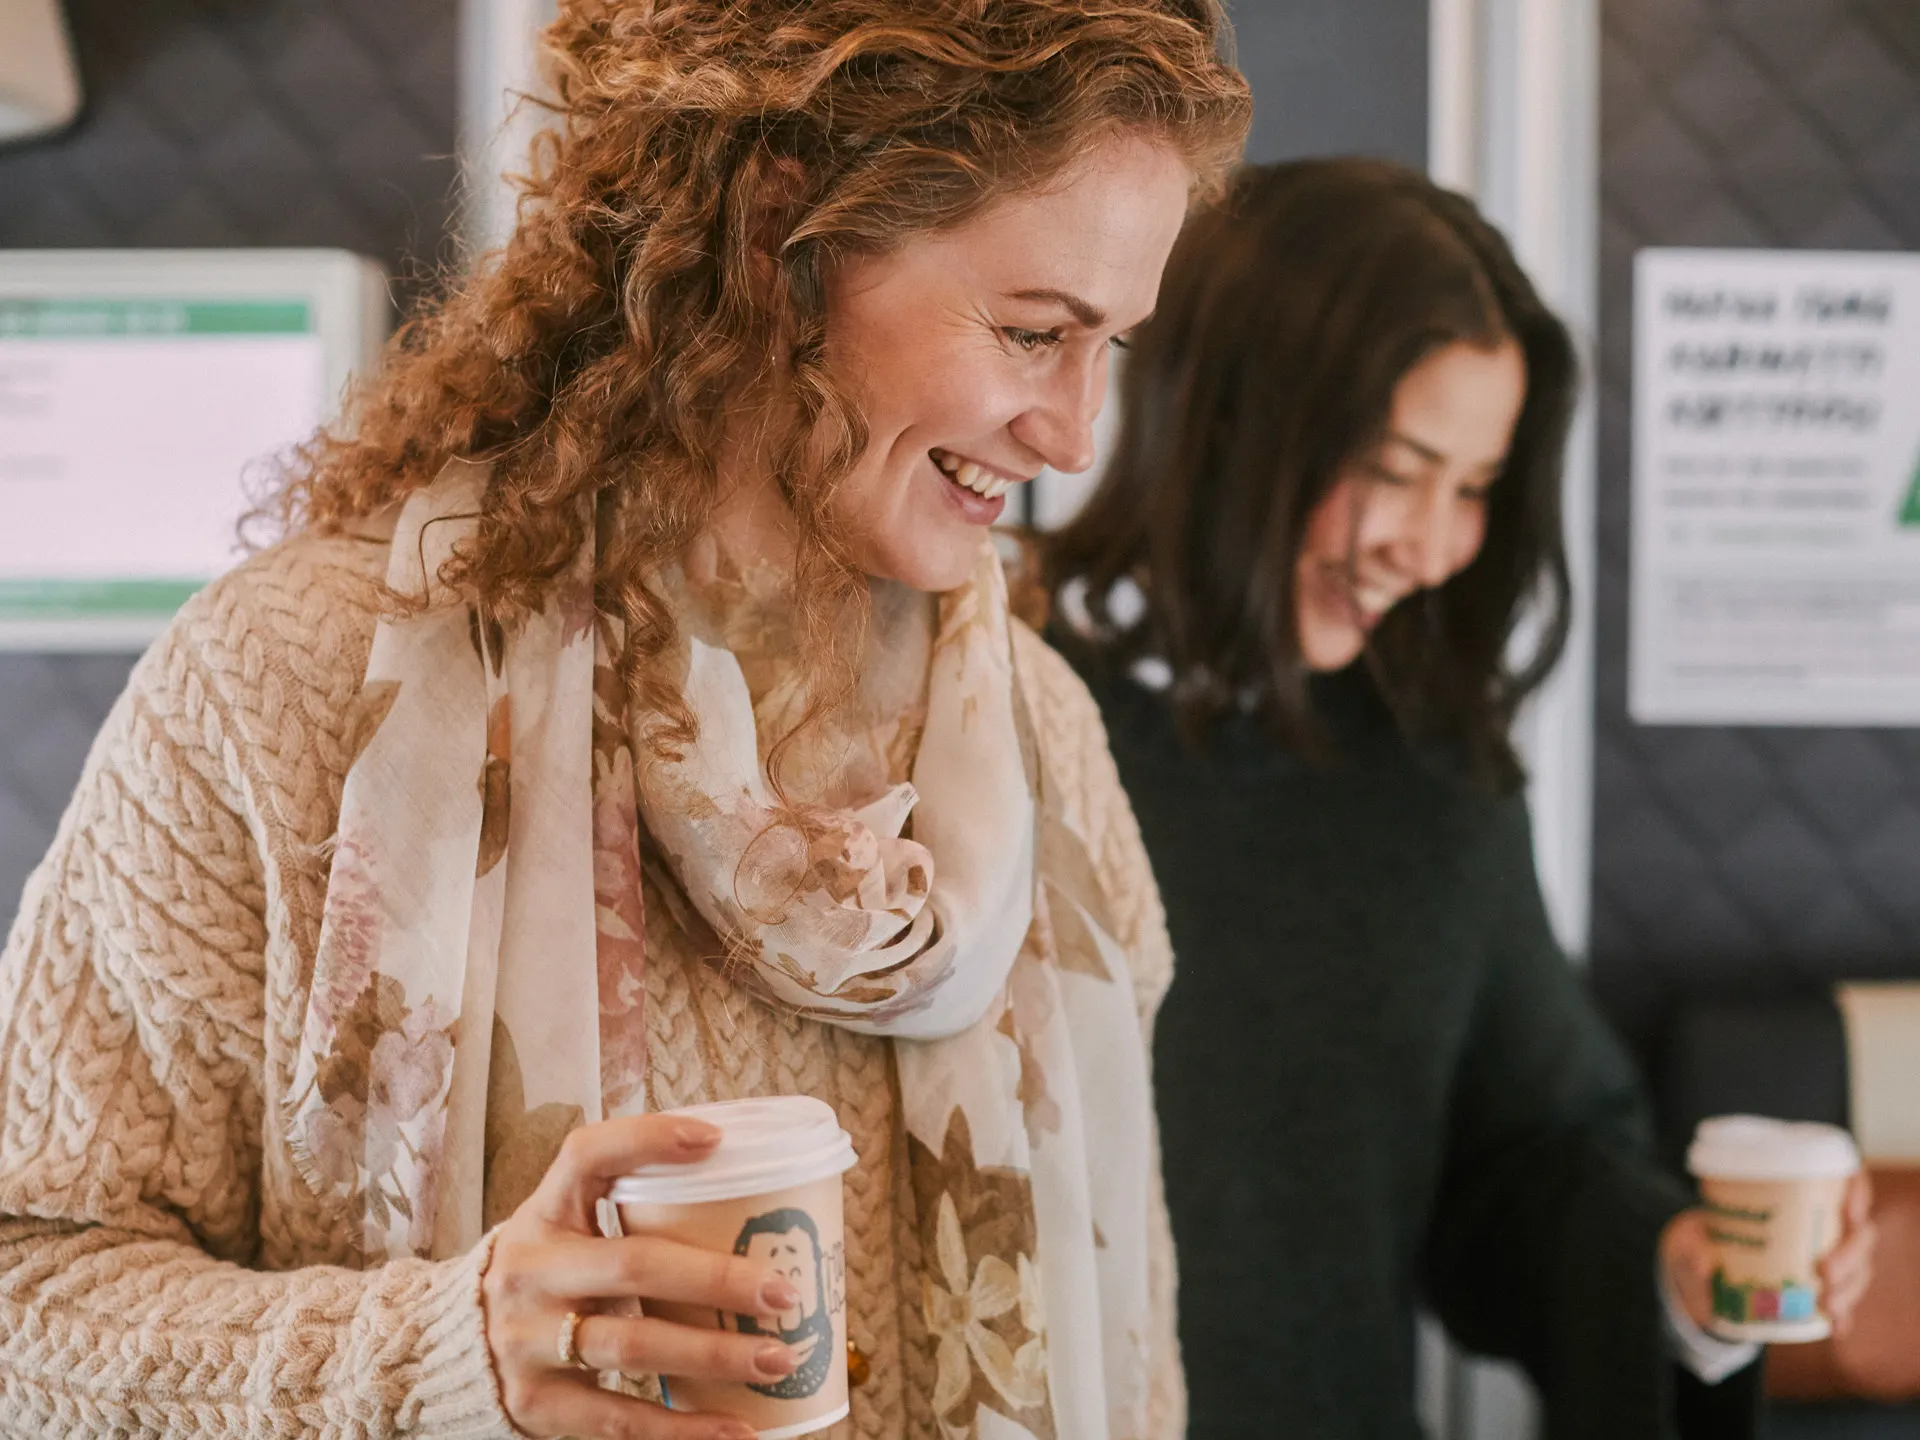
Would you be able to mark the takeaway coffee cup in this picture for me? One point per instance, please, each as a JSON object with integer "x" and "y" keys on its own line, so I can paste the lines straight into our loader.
{"x": 1773, "y": 1191}
{"x": 771, "y": 1191}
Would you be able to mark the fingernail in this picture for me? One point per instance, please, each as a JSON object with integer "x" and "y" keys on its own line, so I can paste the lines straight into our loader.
{"x": 695, "y": 1134}
{"x": 777, "y": 1294}
{"x": 735, "y": 1430}
{"x": 774, "y": 1361}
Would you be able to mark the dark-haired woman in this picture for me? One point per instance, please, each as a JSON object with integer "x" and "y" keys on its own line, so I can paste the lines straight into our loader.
{"x": 1337, "y": 485}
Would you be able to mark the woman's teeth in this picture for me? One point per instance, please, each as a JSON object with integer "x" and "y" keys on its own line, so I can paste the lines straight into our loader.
{"x": 1374, "y": 603}
{"x": 1370, "y": 602}
{"x": 984, "y": 483}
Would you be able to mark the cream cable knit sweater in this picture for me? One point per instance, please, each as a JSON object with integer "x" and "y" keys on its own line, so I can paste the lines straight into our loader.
{"x": 163, "y": 1271}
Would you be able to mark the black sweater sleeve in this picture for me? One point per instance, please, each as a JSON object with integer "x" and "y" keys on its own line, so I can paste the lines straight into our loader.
{"x": 1544, "y": 1236}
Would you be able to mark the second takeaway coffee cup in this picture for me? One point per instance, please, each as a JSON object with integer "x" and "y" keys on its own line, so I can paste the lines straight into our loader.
{"x": 770, "y": 1191}
{"x": 1773, "y": 1191}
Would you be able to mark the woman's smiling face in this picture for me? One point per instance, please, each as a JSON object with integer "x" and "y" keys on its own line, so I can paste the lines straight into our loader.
{"x": 1411, "y": 512}
{"x": 978, "y": 355}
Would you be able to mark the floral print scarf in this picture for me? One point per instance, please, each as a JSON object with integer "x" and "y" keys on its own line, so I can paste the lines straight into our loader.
{"x": 482, "y": 955}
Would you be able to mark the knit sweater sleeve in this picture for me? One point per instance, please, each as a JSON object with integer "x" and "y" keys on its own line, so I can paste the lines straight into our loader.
{"x": 1545, "y": 1228}
{"x": 1075, "y": 740}
{"x": 133, "y": 1040}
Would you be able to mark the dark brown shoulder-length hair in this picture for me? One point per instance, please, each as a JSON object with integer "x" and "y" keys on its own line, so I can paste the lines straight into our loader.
{"x": 601, "y": 359}
{"x": 1287, "y": 318}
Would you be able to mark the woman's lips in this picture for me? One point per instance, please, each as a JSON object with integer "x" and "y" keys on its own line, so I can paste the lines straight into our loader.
{"x": 975, "y": 509}
{"x": 979, "y": 493}
{"x": 983, "y": 480}
{"x": 1364, "y": 611}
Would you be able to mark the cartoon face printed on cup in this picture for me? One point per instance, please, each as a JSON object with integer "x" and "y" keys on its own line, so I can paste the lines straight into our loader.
{"x": 788, "y": 1242}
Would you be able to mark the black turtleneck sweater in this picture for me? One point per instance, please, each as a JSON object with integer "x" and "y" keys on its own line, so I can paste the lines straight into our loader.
{"x": 1380, "y": 1084}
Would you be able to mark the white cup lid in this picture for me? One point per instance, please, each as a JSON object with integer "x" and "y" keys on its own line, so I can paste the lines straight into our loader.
{"x": 772, "y": 1142}
{"x": 1753, "y": 1147}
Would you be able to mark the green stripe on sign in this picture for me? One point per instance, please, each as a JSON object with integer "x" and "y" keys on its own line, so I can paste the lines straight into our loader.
{"x": 81, "y": 599}
{"x": 117, "y": 319}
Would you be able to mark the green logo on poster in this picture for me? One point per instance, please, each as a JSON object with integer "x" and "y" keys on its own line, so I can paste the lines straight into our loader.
{"x": 1910, "y": 511}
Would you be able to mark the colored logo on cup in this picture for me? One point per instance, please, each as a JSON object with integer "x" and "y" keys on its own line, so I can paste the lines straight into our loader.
{"x": 1750, "y": 1303}
{"x": 788, "y": 1242}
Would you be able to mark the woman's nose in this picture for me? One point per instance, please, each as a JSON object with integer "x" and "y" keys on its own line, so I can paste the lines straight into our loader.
{"x": 1425, "y": 549}
{"x": 1059, "y": 425}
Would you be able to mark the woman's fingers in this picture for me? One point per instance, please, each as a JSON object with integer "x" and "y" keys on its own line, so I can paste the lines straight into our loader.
{"x": 574, "y": 1405}
{"x": 1859, "y": 1201}
{"x": 651, "y": 1267}
{"x": 595, "y": 1155}
{"x": 639, "y": 1346}
{"x": 644, "y": 1345}
{"x": 1686, "y": 1254}
{"x": 1846, "y": 1273}
{"x": 548, "y": 1259}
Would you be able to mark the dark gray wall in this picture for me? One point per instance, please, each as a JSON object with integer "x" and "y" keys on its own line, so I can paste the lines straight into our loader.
{"x": 248, "y": 122}
{"x": 1745, "y": 861}
{"x": 1335, "y": 77}
{"x": 218, "y": 122}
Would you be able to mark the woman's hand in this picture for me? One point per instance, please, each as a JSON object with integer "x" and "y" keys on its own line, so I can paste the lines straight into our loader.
{"x": 549, "y": 1259}
{"x": 1687, "y": 1259}
{"x": 1848, "y": 1268}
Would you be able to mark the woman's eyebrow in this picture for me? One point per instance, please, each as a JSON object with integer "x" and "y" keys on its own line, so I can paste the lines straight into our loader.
{"x": 1087, "y": 313}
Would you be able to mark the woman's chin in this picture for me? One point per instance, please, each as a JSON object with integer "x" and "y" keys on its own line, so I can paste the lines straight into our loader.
{"x": 1326, "y": 648}
{"x": 934, "y": 569}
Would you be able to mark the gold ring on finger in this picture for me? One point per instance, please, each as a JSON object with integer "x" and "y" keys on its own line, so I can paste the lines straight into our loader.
{"x": 564, "y": 1347}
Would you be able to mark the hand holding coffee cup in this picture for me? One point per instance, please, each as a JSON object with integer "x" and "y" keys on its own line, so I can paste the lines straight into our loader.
{"x": 1781, "y": 1250}
{"x": 769, "y": 1191}
{"x": 554, "y": 1281}
{"x": 1688, "y": 1259}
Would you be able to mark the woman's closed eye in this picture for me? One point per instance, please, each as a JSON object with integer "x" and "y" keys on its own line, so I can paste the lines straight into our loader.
{"x": 1032, "y": 340}
{"x": 1474, "y": 494}
{"x": 1387, "y": 475}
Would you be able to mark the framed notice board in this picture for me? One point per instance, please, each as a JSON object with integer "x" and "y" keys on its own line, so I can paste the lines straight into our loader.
{"x": 138, "y": 391}
{"x": 1776, "y": 488}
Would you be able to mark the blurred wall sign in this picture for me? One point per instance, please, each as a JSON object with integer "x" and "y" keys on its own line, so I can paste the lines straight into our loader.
{"x": 137, "y": 388}
{"x": 1776, "y": 488}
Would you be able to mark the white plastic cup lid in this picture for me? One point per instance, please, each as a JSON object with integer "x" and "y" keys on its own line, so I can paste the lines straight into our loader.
{"x": 1753, "y": 1147}
{"x": 769, "y": 1143}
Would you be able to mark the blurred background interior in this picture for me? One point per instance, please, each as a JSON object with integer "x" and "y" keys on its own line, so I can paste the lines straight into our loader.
{"x": 1715, "y": 881}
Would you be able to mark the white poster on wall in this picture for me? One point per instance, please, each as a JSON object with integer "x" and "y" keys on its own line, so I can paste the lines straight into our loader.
{"x": 1776, "y": 488}
{"x": 140, "y": 391}
{"x": 126, "y": 427}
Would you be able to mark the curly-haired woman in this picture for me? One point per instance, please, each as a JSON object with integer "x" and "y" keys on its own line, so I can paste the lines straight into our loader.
{"x": 631, "y": 717}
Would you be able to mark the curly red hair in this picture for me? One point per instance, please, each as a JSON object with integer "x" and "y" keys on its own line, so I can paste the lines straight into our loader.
{"x": 595, "y": 360}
